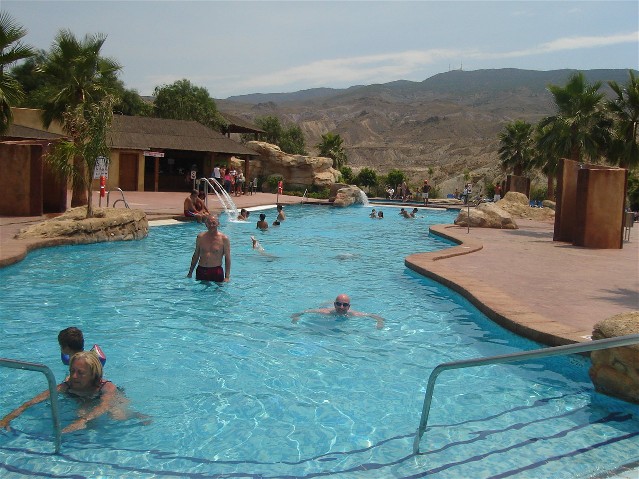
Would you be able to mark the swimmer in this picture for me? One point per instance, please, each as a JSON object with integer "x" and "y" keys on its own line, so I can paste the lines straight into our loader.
{"x": 280, "y": 214}
{"x": 256, "y": 244}
{"x": 373, "y": 214}
{"x": 210, "y": 247}
{"x": 71, "y": 341}
{"x": 244, "y": 214}
{"x": 404, "y": 213}
{"x": 380, "y": 215}
{"x": 341, "y": 308}
{"x": 86, "y": 384}
{"x": 262, "y": 224}
{"x": 413, "y": 213}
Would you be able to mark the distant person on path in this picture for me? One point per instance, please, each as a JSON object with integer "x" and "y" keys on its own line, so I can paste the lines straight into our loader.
{"x": 210, "y": 247}
{"x": 216, "y": 174}
{"x": 468, "y": 189}
{"x": 341, "y": 308}
{"x": 190, "y": 207}
{"x": 262, "y": 224}
{"x": 425, "y": 192}
{"x": 497, "y": 195}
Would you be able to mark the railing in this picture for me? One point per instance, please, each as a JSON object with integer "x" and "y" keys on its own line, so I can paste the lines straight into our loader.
{"x": 509, "y": 358}
{"x": 53, "y": 392}
{"x": 304, "y": 198}
{"x": 123, "y": 199}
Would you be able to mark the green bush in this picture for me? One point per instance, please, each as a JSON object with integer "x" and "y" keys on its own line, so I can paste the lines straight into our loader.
{"x": 538, "y": 193}
{"x": 633, "y": 191}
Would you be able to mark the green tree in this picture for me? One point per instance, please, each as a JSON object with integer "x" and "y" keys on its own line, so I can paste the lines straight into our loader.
{"x": 347, "y": 174}
{"x": 130, "y": 103}
{"x": 366, "y": 177}
{"x": 87, "y": 125}
{"x": 184, "y": 101}
{"x": 272, "y": 129}
{"x": 293, "y": 141}
{"x": 11, "y": 51}
{"x": 332, "y": 146}
{"x": 516, "y": 147}
{"x": 28, "y": 74}
{"x": 624, "y": 109}
{"x": 580, "y": 120}
{"x": 76, "y": 77}
{"x": 395, "y": 177}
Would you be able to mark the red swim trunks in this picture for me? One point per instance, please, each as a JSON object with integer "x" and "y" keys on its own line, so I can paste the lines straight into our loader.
{"x": 215, "y": 273}
{"x": 189, "y": 213}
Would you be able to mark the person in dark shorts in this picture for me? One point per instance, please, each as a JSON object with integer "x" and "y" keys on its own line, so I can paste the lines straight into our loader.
{"x": 210, "y": 247}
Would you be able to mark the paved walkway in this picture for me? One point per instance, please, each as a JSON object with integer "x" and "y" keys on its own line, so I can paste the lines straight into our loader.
{"x": 549, "y": 291}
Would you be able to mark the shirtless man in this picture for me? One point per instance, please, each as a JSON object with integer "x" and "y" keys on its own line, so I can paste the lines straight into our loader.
{"x": 280, "y": 213}
{"x": 342, "y": 306}
{"x": 190, "y": 207}
{"x": 210, "y": 247}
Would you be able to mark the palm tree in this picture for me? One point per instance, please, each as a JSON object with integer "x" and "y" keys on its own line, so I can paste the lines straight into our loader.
{"x": 580, "y": 126}
{"x": 11, "y": 51}
{"x": 332, "y": 147}
{"x": 625, "y": 112}
{"x": 516, "y": 147}
{"x": 76, "y": 75}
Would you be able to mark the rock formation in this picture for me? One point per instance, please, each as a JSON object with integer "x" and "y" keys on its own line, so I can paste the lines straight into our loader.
{"x": 296, "y": 170}
{"x": 518, "y": 205}
{"x": 486, "y": 215}
{"x": 615, "y": 371}
{"x": 346, "y": 195}
{"x": 108, "y": 224}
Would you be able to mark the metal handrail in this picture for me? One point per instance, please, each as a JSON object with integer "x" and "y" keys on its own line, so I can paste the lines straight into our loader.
{"x": 53, "y": 392}
{"x": 509, "y": 358}
{"x": 119, "y": 199}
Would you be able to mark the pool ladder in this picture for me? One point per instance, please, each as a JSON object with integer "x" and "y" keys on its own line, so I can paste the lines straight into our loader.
{"x": 123, "y": 199}
{"x": 509, "y": 358}
{"x": 53, "y": 392}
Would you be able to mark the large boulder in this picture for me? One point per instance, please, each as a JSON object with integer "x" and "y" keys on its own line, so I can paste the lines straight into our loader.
{"x": 615, "y": 371}
{"x": 348, "y": 195}
{"x": 486, "y": 215}
{"x": 518, "y": 205}
{"x": 108, "y": 224}
{"x": 296, "y": 170}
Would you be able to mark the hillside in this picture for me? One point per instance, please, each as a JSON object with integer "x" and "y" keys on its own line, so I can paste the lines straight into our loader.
{"x": 449, "y": 122}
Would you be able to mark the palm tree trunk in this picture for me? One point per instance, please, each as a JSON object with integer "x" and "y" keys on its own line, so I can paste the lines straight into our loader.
{"x": 79, "y": 193}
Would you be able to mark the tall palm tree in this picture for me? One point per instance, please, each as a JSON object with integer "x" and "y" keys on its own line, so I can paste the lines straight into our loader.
{"x": 625, "y": 112}
{"x": 516, "y": 147}
{"x": 11, "y": 51}
{"x": 77, "y": 75}
{"x": 580, "y": 120}
{"x": 332, "y": 146}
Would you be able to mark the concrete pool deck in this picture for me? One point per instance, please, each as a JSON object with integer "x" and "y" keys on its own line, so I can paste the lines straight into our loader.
{"x": 551, "y": 292}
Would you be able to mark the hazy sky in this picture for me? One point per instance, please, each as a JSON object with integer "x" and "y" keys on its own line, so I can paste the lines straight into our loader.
{"x": 239, "y": 47}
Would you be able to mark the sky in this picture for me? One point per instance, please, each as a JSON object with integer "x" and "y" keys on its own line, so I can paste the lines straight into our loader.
{"x": 242, "y": 47}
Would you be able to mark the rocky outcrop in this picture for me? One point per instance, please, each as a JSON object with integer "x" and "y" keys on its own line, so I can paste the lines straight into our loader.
{"x": 296, "y": 170}
{"x": 615, "y": 371}
{"x": 518, "y": 205}
{"x": 486, "y": 215}
{"x": 348, "y": 195}
{"x": 108, "y": 224}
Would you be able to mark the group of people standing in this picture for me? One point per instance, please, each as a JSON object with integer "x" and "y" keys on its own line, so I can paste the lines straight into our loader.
{"x": 232, "y": 180}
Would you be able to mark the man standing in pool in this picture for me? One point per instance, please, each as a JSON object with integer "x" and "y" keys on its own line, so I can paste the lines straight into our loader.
{"x": 341, "y": 307}
{"x": 210, "y": 247}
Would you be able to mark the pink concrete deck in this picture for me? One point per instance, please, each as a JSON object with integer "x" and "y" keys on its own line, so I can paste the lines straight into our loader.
{"x": 550, "y": 292}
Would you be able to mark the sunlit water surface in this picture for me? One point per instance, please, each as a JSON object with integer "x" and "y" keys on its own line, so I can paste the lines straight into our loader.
{"x": 234, "y": 389}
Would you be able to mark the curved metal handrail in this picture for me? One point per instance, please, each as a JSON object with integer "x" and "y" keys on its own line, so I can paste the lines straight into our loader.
{"x": 123, "y": 199}
{"x": 53, "y": 392}
{"x": 509, "y": 358}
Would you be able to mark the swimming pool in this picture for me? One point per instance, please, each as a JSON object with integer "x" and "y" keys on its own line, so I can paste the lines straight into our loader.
{"x": 236, "y": 390}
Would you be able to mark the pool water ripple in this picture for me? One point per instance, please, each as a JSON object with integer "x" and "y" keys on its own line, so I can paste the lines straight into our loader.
{"x": 234, "y": 388}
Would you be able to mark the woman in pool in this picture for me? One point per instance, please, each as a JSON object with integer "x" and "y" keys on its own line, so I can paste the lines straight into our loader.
{"x": 86, "y": 384}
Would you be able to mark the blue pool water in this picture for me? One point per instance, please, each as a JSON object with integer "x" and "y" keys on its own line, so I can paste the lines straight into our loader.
{"x": 235, "y": 389}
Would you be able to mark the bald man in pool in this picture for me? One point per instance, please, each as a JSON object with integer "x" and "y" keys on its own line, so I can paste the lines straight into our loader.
{"x": 341, "y": 307}
{"x": 210, "y": 247}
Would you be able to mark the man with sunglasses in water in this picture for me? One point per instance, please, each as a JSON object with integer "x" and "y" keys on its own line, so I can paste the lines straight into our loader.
{"x": 341, "y": 307}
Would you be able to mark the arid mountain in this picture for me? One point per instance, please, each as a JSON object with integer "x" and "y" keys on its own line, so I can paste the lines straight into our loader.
{"x": 449, "y": 122}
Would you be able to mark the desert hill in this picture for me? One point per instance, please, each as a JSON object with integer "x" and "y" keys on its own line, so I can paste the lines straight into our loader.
{"x": 449, "y": 122}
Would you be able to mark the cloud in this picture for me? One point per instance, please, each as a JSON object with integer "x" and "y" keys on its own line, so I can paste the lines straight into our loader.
{"x": 391, "y": 66}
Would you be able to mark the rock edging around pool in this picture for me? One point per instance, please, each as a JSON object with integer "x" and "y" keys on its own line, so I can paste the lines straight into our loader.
{"x": 72, "y": 227}
{"x": 494, "y": 303}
